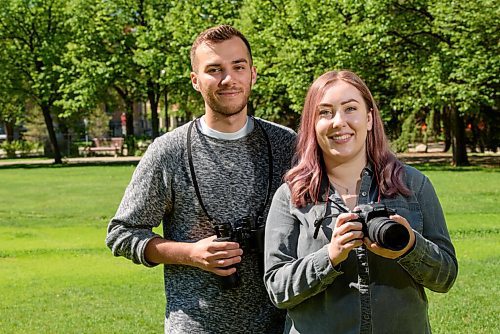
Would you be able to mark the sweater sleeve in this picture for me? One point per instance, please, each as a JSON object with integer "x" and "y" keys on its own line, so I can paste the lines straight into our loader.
{"x": 432, "y": 262}
{"x": 141, "y": 209}
{"x": 290, "y": 280}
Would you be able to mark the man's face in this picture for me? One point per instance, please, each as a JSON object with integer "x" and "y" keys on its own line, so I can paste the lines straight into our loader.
{"x": 224, "y": 76}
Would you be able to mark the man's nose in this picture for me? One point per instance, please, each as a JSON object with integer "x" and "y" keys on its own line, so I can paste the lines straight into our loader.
{"x": 227, "y": 78}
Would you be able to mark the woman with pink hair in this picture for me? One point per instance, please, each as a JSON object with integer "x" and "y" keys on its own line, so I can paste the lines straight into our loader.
{"x": 353, "y": 236}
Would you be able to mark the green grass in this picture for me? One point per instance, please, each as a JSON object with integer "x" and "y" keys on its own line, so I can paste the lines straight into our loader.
{"x": 470, "y": 199}
{"x": 57, "y": 276}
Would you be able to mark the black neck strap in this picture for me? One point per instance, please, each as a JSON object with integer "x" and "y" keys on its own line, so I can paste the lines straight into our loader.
{"x": 260, "y": 213}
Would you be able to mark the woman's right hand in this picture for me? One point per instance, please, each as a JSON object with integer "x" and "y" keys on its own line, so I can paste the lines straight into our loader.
{"x": 346, "y": 236}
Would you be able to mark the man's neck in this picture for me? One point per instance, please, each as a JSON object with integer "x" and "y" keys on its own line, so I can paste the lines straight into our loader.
{"x": 223, "y": 123}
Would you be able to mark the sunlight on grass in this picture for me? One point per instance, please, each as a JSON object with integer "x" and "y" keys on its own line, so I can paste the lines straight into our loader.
{"x": 57, "y": 276}
{"x": 79, "y": 291}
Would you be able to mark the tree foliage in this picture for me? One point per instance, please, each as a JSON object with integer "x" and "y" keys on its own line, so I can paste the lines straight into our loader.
{"x": 432, "y": 65}
{"x": 426, "y": 61}
{"x": 33, "y": 37}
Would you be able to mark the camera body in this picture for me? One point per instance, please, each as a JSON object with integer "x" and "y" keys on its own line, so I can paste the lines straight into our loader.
{"x": 249, "y": 233}
{"x": 378, "y": 227}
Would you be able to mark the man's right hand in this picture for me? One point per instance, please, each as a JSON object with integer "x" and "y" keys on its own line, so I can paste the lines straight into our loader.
{"x": 214, "y": 256}
{"x": 205, "y": 254}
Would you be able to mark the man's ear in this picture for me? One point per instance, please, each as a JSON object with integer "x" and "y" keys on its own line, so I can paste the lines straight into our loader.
{"x": 194, "y": 80}
{"x": 254, "y": 75}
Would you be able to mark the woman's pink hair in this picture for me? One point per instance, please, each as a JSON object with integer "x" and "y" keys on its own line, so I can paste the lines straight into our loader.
{"x": 305, "y": 178}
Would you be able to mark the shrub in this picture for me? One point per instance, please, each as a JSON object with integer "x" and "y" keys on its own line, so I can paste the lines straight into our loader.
{"x": 22, "y": 148}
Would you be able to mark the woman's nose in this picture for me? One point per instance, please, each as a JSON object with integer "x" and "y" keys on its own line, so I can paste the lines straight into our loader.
{"x": 338, "y": 119}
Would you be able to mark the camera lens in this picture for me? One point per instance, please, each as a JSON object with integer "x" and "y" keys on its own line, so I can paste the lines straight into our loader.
{"x": 388, "y": 233}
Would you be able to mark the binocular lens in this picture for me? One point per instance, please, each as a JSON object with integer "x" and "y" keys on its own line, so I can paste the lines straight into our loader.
{"x": 232, "y": 281}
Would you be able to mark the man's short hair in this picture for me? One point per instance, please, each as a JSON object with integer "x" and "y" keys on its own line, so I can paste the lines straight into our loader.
{"x": 218, "y": 34}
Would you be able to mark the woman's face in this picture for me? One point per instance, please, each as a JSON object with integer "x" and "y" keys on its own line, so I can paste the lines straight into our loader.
{"x": 342, "y": 123}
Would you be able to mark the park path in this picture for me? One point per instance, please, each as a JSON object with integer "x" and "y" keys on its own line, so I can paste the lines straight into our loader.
{"x": 71, "y": 161}
{"x": 411, "y": 158}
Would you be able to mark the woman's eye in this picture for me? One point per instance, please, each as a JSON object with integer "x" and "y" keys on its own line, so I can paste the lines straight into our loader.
{"x": 326, "y": 113}
{"x": 350, "y": 109}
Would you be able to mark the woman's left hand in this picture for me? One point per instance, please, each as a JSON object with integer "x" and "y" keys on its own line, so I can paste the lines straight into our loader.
{"x": 387, "y": 253}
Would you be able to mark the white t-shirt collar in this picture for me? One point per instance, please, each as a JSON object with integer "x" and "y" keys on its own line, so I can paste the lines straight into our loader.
{"x": 245, "y": 130}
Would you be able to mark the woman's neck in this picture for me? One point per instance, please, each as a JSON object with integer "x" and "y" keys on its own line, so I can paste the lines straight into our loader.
{"x": 347, "y": 172}
{"x": 345, "y": 178}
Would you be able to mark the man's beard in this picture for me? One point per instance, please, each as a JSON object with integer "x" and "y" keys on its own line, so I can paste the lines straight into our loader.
{"x": 227, "y": 110}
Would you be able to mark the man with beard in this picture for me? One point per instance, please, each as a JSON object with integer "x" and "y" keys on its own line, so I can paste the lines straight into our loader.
{"x": 213, "y": 177}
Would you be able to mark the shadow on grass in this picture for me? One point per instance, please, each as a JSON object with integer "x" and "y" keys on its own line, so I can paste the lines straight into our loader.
{"x": 448, "y": 168}
{"x": 424, "y": 162}
{"x": 441, "y": 162}
{"x": 34, "y": 165}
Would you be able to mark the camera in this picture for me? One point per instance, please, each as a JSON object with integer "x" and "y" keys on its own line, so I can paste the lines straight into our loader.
{"x": 379, "y": 228}
{"x": 249, "y": 233}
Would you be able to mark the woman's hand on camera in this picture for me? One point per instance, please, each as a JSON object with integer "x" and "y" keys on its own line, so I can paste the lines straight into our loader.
{"x": 387, "y": 253}
{"x": 214, "y": 256}
{"x": 346, "y": 235}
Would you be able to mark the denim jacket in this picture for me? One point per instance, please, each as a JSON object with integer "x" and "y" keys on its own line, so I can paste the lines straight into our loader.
{"x": 366, "y": 293}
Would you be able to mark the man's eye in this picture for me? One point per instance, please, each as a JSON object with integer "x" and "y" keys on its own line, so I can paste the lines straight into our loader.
{"x": 213, "y": 70}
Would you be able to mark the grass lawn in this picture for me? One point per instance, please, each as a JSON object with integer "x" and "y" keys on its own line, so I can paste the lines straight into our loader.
{"x": 57, "y": 276}
{"x": 470, "y": 199}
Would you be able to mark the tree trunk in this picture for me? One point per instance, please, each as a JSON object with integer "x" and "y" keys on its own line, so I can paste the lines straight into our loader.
{"x": 167, "y": 118}
{"x": 130, "y": 138}
{"x": 155, "y": 122}
{"x": 458, "y": 138}
{"x": 130, "y": 118}
{"x": 446, "y": 129}
{"x": 52, "y": 134}
{"x": 9, "y": 130}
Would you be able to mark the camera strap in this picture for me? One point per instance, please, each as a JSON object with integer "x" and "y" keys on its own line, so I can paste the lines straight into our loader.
{"x": 260, "y": 213}
{"x": 319, "y": 221}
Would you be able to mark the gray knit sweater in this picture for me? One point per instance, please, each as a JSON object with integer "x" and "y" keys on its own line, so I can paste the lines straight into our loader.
{"x": 232, "y": 177}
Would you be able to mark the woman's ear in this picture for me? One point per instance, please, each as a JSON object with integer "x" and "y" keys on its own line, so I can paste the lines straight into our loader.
{"x": 369, "y": 119}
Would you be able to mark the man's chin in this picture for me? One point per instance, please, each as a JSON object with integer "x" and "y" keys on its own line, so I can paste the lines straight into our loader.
{"x": 227, "y": 112}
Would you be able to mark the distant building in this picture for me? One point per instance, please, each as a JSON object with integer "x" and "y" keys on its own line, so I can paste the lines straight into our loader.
{"x": 142, "y": 125}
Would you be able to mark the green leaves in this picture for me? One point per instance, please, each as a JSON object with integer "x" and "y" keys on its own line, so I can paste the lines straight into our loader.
{"x": 417, "y": 56}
